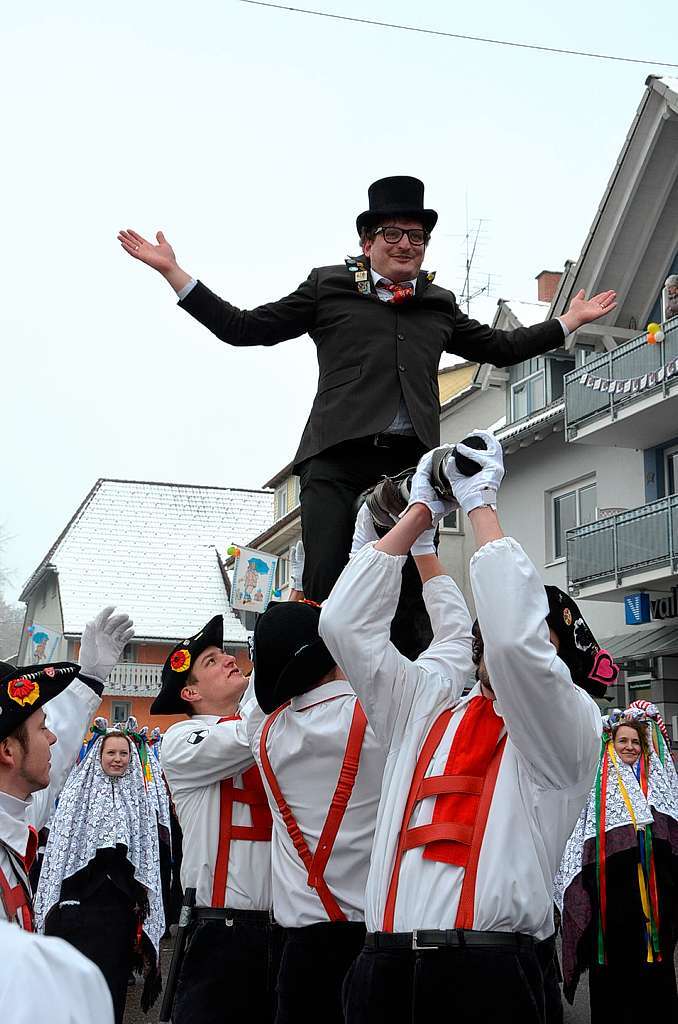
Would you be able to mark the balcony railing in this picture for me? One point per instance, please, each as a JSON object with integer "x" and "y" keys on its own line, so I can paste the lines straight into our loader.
{"x": 631, "y": 542}
{"x": 633, "y": 359}
{"x": 129, "y": 679}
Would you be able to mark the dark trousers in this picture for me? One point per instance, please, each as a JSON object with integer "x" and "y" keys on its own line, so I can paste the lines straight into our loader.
{"x": 314, "y": 964}
{"x": 330, "y": 485}
{"x": 229, "y": 972}
{"x": 638, "y": 988}
{"x": 488, "y": 985}
{"x": 102, "y": 926}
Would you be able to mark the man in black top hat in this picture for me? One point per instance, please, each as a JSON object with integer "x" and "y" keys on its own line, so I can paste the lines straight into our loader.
{"x": 44, "y": 713}
{"x": 380, "y": 325}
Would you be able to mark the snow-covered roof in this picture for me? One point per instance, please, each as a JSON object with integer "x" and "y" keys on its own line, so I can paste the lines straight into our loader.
{"x": 528, "y": 313}
{"x": 151, "y": 549}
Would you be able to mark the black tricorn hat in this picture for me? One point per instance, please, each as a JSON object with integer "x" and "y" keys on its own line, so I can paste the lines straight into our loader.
{"x": 289, "y": 656}
{"x": 24, "y": 689}
{"x": 398, "y": 196}
{"x": 176, "y": 668}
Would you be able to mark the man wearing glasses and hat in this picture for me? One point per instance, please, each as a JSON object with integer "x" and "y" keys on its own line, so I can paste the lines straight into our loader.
{"x": 44, "y": 714}
{"x": 380, "y": 325}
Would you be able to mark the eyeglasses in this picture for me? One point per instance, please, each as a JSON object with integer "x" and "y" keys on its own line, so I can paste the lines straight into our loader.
{"x": 416, "y": 236}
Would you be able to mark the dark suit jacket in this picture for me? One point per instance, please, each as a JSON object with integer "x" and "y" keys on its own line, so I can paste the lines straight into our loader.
{"x": 369, "y": 351}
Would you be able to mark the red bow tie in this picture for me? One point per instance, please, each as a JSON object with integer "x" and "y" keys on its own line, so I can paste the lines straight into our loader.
{"x": 401, "y": 292}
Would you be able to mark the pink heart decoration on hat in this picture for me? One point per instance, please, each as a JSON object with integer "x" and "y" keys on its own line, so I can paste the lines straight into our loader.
{"x": 604, "y": 670}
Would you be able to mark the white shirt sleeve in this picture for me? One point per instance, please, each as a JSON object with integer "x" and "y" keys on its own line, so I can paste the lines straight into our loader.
{"x": 68, "y": 717}
{"x": 554, "y": 724}
{"x": 355, "y": 624}
{"x": 186, "y": 290}
{"x": 566, "y": 329}
{"x": 196, "y": 753}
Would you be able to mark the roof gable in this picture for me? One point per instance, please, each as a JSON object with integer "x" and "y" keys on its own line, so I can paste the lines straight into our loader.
{"x": 151, "y": 548}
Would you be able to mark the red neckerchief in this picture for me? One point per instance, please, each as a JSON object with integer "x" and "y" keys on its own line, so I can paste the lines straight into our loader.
{"x": 472, "y": 748}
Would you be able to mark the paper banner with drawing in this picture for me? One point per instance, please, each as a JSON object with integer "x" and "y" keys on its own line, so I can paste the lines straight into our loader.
{"x": 42, "y": 644}
{"x": 253, "y": 576}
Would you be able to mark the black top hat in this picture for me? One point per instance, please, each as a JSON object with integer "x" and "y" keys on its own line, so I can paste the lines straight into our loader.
{"x": 175, "y": 671}
{"x": 289, "y": 656}
{"x": 398, "y": 196}
{"x": 25, "y": 689}
{"x": 590, "y": 665}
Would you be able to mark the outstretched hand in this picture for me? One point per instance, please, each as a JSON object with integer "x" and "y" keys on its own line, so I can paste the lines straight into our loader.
{"x": 161, "y": 256}
{"x": 584, "y": 311}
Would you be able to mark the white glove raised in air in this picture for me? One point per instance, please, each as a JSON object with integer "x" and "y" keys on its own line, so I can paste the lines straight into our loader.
{"x": 103, "y": 641}
{"x": 364, "y": 531}
{"x": 422, "y": 491}
{"x": 297, "y": 559}
{"x": 481, "y": 488}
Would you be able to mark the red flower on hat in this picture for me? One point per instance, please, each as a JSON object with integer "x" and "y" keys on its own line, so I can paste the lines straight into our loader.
{"x": 49, "y": 671}
{"x": 180, "y": 660}
{"x": 23, "y": 691}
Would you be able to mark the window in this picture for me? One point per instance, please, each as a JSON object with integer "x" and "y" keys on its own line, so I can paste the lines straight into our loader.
{"x": 282, "y": 572}
{"x": 452, "y": 522}
{"x": 527, "y": 396}
{"x": 120, "y": 710}
{"x": 296, "y": 483}
{"x": 280, "y": 501}
{"x": 671, "y": 471}
{"x": 572, "y": 507}
{"x": 129, "y": 653}
{"x": 558, "y": 367}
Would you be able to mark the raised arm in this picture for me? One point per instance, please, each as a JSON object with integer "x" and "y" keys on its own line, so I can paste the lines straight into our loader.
{"x": 481, "y": 343}
{"x": 269, "y": 324}
{"x": 195, "y": 754}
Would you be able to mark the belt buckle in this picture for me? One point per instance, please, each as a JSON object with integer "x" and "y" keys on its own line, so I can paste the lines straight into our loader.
{"x": 415, "y": 942}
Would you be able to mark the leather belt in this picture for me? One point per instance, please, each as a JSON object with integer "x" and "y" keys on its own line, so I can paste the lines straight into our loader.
{"x": 432, "y": 938}
{"x": 393, "y": 440}
{"x": 230, "y": 916}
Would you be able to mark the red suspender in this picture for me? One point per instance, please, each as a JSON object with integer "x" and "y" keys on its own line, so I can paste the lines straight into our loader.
{"x": 18, "y": 897}
{"x": 465, "y": 910}
{"x": 316, "y": 863}
{"x": 421, "y": 788}
{"x": 252, "y": 793}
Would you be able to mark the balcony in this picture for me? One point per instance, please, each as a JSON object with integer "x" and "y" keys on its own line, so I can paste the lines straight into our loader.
{"x": 625, "y": 552}
{"x": 626, "y": 419}
{"x": 129, "y": 679}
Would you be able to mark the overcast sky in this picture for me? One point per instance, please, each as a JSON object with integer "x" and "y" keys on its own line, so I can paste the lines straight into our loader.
{"x": 250, "y": 136}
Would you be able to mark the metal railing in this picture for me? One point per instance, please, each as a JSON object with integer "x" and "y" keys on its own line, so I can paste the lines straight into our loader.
{"x": 633, "y": 359}
{"x": 621, "y": 545}
{"x": 134, "y": 680}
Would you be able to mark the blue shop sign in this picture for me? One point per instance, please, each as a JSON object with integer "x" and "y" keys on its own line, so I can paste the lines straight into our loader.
{"x": 637, "y": 609}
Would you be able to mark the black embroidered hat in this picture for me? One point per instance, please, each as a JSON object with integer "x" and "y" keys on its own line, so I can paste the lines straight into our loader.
{"x": 289, "y": 657}
{"x": 26, "y": 688}
{"x": 591, "y": 666}
{"x": 175, "y": 671}
{"x": 397, "y": 196}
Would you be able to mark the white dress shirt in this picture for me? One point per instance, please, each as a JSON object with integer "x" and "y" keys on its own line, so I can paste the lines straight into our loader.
{"x": 549, "y": 760}
{"x": 47, "y": 979}
{"x": 196, "y": 756}
{"x": 68, "y": 717}
{"x": 306, "y": 746}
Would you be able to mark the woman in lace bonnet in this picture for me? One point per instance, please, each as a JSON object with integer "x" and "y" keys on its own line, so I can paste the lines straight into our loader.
{"x": 617, "y": 887}
{"x": 100, "y": 882}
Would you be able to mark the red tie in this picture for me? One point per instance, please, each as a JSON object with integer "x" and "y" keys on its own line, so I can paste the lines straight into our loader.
{"x": 401, "y": 292}
{"x": 472, "y": 748}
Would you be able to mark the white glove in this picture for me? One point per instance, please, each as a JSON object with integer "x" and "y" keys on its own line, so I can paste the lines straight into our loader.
{"x": 103, "y": 641}
{"x": 297, "y": 559}
{"x": 364, "y": 531}
{"x": 422, "y": 492}
{"x": 481, "y": 488}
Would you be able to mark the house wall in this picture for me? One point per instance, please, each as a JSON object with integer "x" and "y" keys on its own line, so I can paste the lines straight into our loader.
{"x": 44, "y": 607}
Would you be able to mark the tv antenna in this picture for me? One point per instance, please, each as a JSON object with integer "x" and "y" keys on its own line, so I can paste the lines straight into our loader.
{"x": 471, "y": 237}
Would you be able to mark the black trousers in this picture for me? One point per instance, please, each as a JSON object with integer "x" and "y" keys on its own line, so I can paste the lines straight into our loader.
{"x": 102, "y": 926}
{"x": 314, "y": 964}
{"x": 488, "y": 985}
{"x": 330, "y": 485}
{"x": 229, "y": 972}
